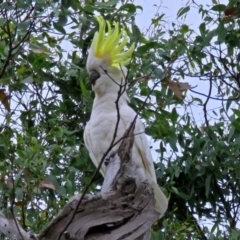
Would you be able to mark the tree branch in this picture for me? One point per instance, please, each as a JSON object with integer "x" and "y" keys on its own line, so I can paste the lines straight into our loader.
{"x": 9, "y": 228}
{"x": 125, "y": 209}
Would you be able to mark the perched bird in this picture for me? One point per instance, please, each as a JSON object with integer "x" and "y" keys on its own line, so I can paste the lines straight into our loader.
{"x": 105, "y": 65}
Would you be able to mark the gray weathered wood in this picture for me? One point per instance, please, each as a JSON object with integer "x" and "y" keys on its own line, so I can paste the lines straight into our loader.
{"x": 125, "y": 209}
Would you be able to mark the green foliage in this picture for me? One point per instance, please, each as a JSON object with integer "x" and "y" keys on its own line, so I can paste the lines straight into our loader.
{"x": 43, "y": 161}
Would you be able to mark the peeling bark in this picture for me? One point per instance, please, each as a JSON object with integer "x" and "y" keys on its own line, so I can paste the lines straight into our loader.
{"x": 125, "y": 208}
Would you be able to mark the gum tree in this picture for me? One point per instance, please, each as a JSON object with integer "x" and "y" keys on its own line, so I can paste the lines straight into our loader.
{"x": 46, "y": 100}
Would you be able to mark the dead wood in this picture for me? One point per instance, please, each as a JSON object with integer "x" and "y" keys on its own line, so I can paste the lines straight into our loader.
{"x": 123, "y": 210}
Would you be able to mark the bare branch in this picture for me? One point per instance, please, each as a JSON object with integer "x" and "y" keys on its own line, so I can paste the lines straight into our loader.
{"x": 122, "y": 89}
{"x": 124, "y": 210}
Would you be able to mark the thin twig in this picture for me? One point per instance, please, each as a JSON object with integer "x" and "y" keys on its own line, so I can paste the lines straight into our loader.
{"x": 122, "y": 89}
{"x": 216, "y": 98}
{"x": 206, "y": 102}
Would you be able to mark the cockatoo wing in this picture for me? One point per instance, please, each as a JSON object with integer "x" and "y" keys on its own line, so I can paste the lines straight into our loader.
{"x": 141, "y": 151}
{"x": 89, "y": 146}
{"x": 143, "y": 156}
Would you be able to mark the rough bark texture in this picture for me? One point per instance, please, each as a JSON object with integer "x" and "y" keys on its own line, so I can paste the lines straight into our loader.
{"x": 116, "y": 216}
{"x": 123, "y": 210}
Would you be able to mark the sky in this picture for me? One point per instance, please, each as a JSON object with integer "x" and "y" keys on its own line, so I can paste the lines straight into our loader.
{"x": 193, "y": 19}
{"x": 170, "y": 9}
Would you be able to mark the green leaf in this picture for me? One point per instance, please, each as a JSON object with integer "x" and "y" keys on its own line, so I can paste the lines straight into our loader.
{"x": 184, "y": 29}
{"x": 145, "y": 48}
{"x": 236, "y": 111}
{"x": 75, "y": 4}
{"x": 156, "y": 21}
{"x": 231, "y": 133}
{"x": 3, "y": 49}
{"x": 175, "y": 190}
{"x": 198, "y": 100}
{"x": 2, "y": 21}
{"x": 129, "y": 8}
{"x": 207, "y": 185}
{"x": 18, "y": 177}
{"x": 69, "y": 187}
{"x": 219, "y": 8}
{"x": 157, "y": 236}
{"x": 174, "y": 115}
{"x": 221, "y": 32}
{"x": 202, "y": 29}
{"x": 144, "y": 91}
{"x": 228, "y": 104}
{"x": 111, "y": 2}
{"x": 140, "y": 7}
{"x": 66, "y": 3}
{"x": 23, "y": 26}
{"x": 236, "y": 124}
{"x": 214, "y": 227}
{"x": 62, "y": 20}
{"x": 83, "y": 88}
{"x": 19, "y": 193}
{"x": 7, "y": 5}
{"x": 209, "y": 36}
{"x": 88, "y": 9}
{"x": 182, "y": 11}
{"x": 59, "y": 28}
{"x": 136, "y": 33}
{"x": 173, "y": 144}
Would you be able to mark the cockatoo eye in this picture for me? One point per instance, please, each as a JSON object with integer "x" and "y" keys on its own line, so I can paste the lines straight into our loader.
{"x": 93, "y": 76}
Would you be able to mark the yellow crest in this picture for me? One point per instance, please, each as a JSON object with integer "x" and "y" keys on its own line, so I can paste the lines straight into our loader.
{"x": 112, "y": 43}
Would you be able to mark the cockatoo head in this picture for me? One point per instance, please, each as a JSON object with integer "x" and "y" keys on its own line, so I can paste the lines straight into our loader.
{"x": 107, "y": 58}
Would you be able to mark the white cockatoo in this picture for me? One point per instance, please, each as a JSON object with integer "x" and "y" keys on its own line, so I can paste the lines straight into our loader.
{"x": 105, "y": 65}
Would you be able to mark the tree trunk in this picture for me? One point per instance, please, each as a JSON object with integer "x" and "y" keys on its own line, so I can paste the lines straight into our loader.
{"x": 125, "y": 209}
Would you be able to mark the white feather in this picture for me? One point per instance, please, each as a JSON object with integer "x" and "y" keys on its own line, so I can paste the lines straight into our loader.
{"x": 99, "y": 134}
{"x": 99, "y": 131}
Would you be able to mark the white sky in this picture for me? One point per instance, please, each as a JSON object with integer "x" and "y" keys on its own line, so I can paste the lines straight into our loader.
{"x": 193, "y": 19}
{"x": 170, "y": 9}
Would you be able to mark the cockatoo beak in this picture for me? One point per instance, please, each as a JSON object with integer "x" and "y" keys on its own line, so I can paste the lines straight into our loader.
{"x": 93, "y": 76}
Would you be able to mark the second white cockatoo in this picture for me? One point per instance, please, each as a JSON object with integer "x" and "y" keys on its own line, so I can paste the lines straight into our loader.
{"x": 105, "y": 65}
